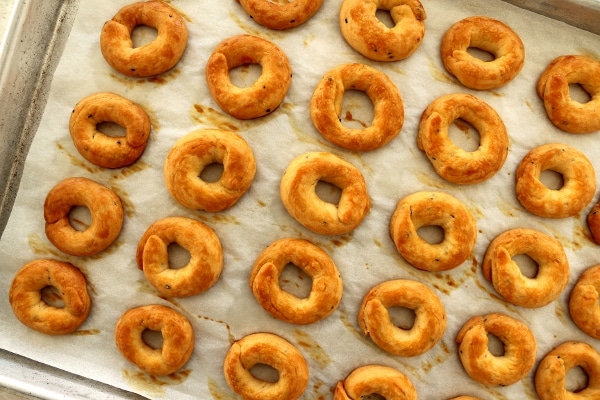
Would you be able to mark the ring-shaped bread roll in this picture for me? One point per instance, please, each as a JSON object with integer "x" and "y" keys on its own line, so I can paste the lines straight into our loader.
{"x": 550, "y": 376}
{"x": 583, "y": 302}
{"x": 520, "y": 349}
{"x": 326, "y": 290}
{"x": 593, "y": 222}
{"x": 326, "y": 107}
{"x": 450, "y": 161}
{"x": 491, "y": 36}
{"x": 266, "y": 93}
{"x": 366, "y": 34}
{"x": 387, "y": 382}
{"x": 297, "y": 190}
{"x": 104, "y": 150}
{"x": 177, "y": 334}
{"x": 203, "y": 245}
{"x": 280, "y": 16}
{"x": 578, "y": 175}
{"x": 553, "y": 88}
{"x": 428, "y": 326}
{"x": 505, "y": 275}
{"x": 105, "y": 208}
{"x": 154, "y": 58}
{"x": 195, "y": 151}
{"x": 440, "y": 209}
{"x": 271, "y": 350}
{"x": 26, "y": 300}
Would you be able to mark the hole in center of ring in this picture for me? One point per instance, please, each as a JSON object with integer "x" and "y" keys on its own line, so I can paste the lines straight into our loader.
{"x": 245, "y": 75}
{"x": 481, "y": 54}
{"x": 576, "y": 380}
{"x": 372, "y": 396}
{"x": 402, "y": 317}
{"x": 328, "y": 192}
{"x": 432, "y": 234}
{"x": 295, "y": 281}
{"x": 212, "y": 172}
{"x": 80, "y": 218}
{"x": 111, "y": 129}
{"x": 528, "y": 266}
{"x": 464, "y": 135}
{"x": 385, "y": 17}
{"x": 265, "y": 373}
{"x": 52, "y": 297}
{"x": 578, "y": 93}
{"x": 179, "y": 257}
{"x": 141, "y": 35}
{"x": 357, "y": 110}
{"x": 495, "y": 345}
{"x": 552, "y": 180}
{"x": 154, "y": 339}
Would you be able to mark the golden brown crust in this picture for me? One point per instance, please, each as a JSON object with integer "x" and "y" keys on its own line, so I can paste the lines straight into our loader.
{"x": 387, "y": 382}
{"x": 449, "y": 160}
{"x": 372, "y": 38}
{"x": 298, "y": 194}
{"x": 154, "y": 58}
{"x": 428, "y": 327}
{"x": 280, "y": 16}
{"x": 105, "y": 208}
{"x": 480, "y": 364}
{"x": 101, "y": 149}
{"x": 266, "y": 93}
{"x": 271, "y": 350}
{"x": 433, "y": 209}
{"x": 583, "y": 302}
{"x": 326, "y": 107}
{"x": 25, "y": 296}
{"x": 579, "y": 181}
{"x": 203, "y": 245}
{"x": 550, "y": 376}
{"x": 593, "y": 222}
{"x": 489, "y": 35}
{"x": 552, "y": 271}
{"x": 326, "y": 290}
{"x": 553, "y": 88}
{"x": 192, "y": 153}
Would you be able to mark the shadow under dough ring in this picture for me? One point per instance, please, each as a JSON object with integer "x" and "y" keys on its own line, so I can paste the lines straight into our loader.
{"x": 583, "y": 302}
{"x": 449, "y": 160}
{"x": 202, "y": 243}
{"x": 104, "y": 150}
{"x": 428, "y": 326}
{"x": 105, "y": 208}
{"x": 266, "y": 93}
{"x": 271, "y": 350}
{"x": 578, "y": 175}
{"x": 26, "y": 300}
{"x": 280, "y": 16}
{"x": 154, "y": 58}
{"x": 366, "y": 34}
{"x": 387, "y": 382}
{"x": 327, "y": 100}
{"x": 505, "y": 274}
{"x": 491, "y": 36}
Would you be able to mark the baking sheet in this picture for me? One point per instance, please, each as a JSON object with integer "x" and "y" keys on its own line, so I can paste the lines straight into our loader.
{"x": 179, "y": 103}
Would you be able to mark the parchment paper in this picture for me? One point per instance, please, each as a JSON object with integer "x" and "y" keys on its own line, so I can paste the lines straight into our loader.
{"x": 178, "y": 103}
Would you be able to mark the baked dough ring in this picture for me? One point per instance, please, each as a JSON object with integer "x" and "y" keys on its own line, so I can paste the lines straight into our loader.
{"x": 552, "y": 273}
{"x": 552, "y": 371}
{"x": 326, "y": 290}
{"x": 154, "y": 58}
{"x": 326, "y": 107}
{"x": 177, "y": 334}
{"x": 271, "y": 350}
{"x": 366, "y": 34}
{"x": 387, "y": 382}
{"x": 593, "y": 222}
{"x": 192, "y": 153}
{"x": 203, "y": 245}
{"x": 583, "y": 302}
{"x": 422, "y": 209}
{"x": 489, "y": 35}
{"x": 428, "y": 327}
{"x": 520, "y": 349}
{"x": 298, "y": 194}
{"x": 105, "y": 208}
{"x": 579, "y": 181}
{"x": 553, "y": 88}
{"x": 280, "y": 16}
{"x": 25, "y": 296}
{"x": 103, "y": 150}
{"x": 266, "y": 93}
{"x": 449, "y": 160}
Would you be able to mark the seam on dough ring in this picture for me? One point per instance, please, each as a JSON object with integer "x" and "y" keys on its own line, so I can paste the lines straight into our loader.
{"x": 387, "y": 382}
{"x": 422, "y": 209}
{"x": 103, "y": 150}
{"x": 280, "y": 16}
{"x": 579, "y": 181}
{"x": 449, "y": 160}
{"x": 203, "y": 245}
{"x": 266, "y": 93}
{"x": 370, "y": 37}
{"x": 583, "y": 302}
{"x": 154, "y": 58}
{"x": 326, "y": 107}
{"x": 428, "y": 327}
{"x": 505, "y": 275}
